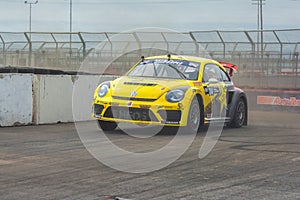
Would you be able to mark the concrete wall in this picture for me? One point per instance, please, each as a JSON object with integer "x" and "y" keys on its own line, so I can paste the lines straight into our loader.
{"x": 53, "y": 99}
{"x": 64, "y": 98}
{"x": 83, "y": 93}
{"x": 43, "y": 99}
{"x": 16, "y": 99}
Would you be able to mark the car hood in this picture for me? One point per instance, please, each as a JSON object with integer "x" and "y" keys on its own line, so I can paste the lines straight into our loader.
{"x": 144, "y": 88}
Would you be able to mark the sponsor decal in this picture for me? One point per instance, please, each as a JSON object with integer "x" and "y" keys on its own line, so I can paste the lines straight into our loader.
{"x": 197, "y": 83}
{"x": 171, "y": 122}
{"x": 216, "y": 90}
{"x": 206, "y": 90}
{"x": 278, "y": 101}
{"x": 174, "y": 62}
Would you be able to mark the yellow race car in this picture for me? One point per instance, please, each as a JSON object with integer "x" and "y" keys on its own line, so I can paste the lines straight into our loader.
{"x": 171, "y": 90}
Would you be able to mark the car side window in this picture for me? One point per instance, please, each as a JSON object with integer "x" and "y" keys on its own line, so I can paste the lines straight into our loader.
{"x": 225, "y": 77}
{"x": 212, "y": 71}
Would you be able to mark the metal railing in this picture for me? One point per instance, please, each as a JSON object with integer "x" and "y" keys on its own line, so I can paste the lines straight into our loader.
{"x": 267, "y": 67}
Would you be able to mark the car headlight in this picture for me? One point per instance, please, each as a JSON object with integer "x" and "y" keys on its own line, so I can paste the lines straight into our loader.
{"x": 103, "y": 89}
{"x": 175, "y": 95}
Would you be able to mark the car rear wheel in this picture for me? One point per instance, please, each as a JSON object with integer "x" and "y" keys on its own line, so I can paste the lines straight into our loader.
{"x": 107, "y": 126}
{"x": 239, "y": 115}
{"x": 194, "y": 116}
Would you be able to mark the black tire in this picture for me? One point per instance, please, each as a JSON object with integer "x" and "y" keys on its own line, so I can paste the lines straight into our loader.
{"x": 239, "y": 116}
{"x": 107, "y": 126}
{"x": 169, "y": 130}
{"x": 194, "y": 116}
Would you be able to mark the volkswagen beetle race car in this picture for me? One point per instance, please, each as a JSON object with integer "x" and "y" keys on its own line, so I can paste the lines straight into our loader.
{"x": 182, "y": 91}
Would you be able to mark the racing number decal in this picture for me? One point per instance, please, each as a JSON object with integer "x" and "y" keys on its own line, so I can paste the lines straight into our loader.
{"x": 222, "y": 97}
{"x": 217, "y": 93}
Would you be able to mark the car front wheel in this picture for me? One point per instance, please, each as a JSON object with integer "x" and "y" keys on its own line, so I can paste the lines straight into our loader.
{"x": 107, "y": 126}
{"x": 194, "y": 116}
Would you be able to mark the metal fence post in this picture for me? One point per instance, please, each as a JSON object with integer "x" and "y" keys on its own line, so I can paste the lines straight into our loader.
{"x": 83, "y": 45}
{"x": 3, "y": 51}
{"x": 224, "y": 46}
{"x": 166, "y": 41}
{"x": 30, "y": 48}
{"x": 196, "y": 43}
{"x": 137, "y": 39}
{"x": 296, "y": 55}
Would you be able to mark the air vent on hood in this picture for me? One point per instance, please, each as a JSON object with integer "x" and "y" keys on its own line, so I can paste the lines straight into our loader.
{"x": 143, "y": 84}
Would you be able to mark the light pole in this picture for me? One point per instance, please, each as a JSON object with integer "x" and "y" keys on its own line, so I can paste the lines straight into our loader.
{"x": 260, "y": 52}
{"x": 30, "y": 6}
{"x": 30, "y": 43}
{"x": 71, "y": 5}
{"x": 260, "y": 4}
{"x": 261, "y": 28}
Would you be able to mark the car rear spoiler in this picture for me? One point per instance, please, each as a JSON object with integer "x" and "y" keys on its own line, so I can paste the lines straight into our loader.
{"x": 230, "y": 67}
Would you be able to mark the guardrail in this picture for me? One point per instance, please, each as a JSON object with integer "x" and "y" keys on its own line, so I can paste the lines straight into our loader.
{"x": 276, "y": 62}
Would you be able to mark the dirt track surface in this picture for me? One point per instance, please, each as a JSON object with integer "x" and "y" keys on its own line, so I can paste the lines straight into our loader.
{"x": 50, "y": 162}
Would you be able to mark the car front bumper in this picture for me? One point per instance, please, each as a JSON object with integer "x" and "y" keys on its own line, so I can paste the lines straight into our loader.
{"x": 141, "y": 112}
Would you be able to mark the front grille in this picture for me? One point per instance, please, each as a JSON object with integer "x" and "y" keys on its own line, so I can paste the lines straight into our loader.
{"x": 98, "y": 109}
{"x": 133, "y": 99}
{"x": 170, "y": 116}
{"x": 129, "y": 113}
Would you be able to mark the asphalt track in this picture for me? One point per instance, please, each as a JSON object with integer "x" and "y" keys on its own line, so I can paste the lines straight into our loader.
{"x": 260, "y": 161}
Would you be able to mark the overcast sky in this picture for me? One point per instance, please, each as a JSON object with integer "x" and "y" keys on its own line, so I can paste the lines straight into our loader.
{"x": 124, "y": 15}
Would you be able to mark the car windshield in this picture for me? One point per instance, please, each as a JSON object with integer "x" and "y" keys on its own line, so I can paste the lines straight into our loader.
{"x": 163, "y": 68}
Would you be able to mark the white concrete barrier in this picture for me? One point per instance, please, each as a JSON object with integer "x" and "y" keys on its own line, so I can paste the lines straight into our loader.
{"x": 83, "y": 93}
{"x": 45, "y": 99}
{"x": 16, "y": 99}
{"x": 55, "y": 95}
{"x": 53, "y": 99}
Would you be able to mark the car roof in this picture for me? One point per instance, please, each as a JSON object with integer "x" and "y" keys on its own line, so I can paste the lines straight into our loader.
{"x": 182, "y": 57}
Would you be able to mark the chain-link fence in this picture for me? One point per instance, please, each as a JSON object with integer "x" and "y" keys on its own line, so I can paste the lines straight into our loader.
{"x": 271, "y": 61}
